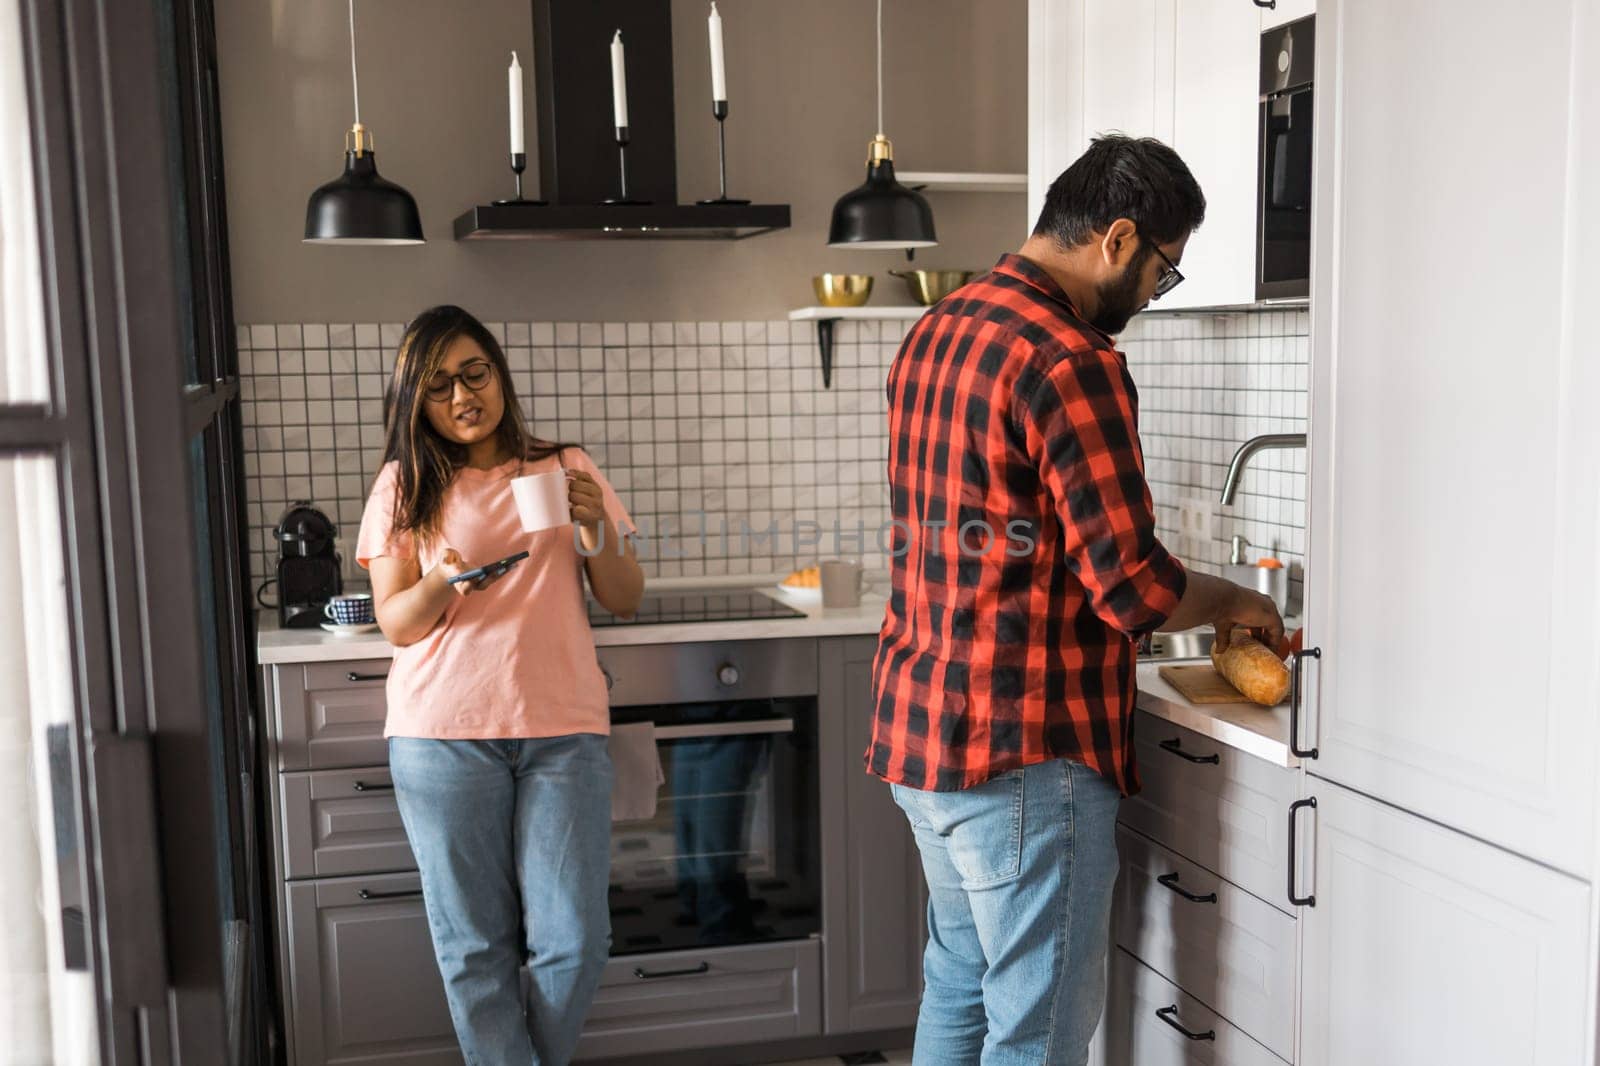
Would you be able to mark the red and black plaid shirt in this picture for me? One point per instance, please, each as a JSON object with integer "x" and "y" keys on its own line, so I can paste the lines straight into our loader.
{"x": 1011, "y": 420}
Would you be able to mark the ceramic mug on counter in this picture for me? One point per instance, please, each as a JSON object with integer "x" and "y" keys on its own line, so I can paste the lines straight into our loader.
{"x": 842, "y": 582}
{"x": 354, "y": 609}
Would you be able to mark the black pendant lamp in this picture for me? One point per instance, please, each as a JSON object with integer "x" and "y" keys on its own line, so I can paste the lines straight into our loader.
{"x": 359, "y": 207}
{"x": 880, "y": 212}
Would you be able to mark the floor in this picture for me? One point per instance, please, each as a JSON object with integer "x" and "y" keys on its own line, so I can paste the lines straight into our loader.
{"x": 892, "y": 1058}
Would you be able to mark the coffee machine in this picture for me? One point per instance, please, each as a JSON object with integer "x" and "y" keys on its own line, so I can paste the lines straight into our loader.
{"x": 308, "y": 567}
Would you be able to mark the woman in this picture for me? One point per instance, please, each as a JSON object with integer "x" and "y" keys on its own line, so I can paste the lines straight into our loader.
{"x": 497, "y": 709}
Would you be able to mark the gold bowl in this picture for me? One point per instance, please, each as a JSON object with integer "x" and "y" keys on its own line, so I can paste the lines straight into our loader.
{"x": 928, "y": 287}
{"x": 842, "y": 290}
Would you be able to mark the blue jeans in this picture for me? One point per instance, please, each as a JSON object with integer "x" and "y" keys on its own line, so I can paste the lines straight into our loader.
{"x": 513, "y": 841}
{"x": 1020, "y": 871}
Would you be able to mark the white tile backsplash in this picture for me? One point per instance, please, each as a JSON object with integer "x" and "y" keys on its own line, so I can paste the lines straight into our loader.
{"x": 724, "y": 427}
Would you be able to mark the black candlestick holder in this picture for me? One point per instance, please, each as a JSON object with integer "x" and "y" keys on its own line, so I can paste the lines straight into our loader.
{"x": 519, "y": 163}
{"x": 622, "y": 162}
{"x": 719, "y": 109}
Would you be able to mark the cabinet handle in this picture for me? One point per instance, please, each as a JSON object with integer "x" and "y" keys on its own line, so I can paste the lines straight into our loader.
{"x": 1270, "y": 5}
{"x": 409, "y": 893}
{"x": 645, "y": 975}
{"x": 1294, "y": 704}
{"x": 353, "y": 676}
{"x": 1171, "y": 881}
{"x": 1170, "y": 1016}
{"x": 1176, "y": 747}
{"x": 376, "y": 786}
{"x": 1294, "y": 808}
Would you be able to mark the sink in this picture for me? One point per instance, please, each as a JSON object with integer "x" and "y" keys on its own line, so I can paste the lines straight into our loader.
{"x": 1188, "y": 644}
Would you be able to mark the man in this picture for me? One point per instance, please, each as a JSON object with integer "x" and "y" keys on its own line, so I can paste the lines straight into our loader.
{"x": 1026, "y": 566}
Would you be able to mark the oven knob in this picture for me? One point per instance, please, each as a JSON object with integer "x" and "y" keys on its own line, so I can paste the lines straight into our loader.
{"x": 728, "y": 674}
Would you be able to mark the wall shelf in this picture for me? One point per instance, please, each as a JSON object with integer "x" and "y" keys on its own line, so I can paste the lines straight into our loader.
{"x": 963, "y": 181}
{"x": 825, "y": 317}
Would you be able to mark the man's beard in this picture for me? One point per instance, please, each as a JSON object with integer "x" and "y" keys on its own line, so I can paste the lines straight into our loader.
{"x": 1119, "y": 299}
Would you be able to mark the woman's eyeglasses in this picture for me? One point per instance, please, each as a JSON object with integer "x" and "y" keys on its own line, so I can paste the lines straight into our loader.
{"x": 474, "y": 376}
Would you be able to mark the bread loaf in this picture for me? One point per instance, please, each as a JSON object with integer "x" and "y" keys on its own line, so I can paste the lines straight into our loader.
{"x": 1250, "y": 667}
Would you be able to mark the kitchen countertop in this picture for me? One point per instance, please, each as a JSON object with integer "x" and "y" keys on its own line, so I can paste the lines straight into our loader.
{"x": 1259, "y": 731}
{"x": 275, "y": 645}
{"x": 1249, "y": 727}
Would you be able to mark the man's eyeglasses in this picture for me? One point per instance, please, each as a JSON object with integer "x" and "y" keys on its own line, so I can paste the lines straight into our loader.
{"x": 474, "y": 376}
{"x": 1170, "y": 277}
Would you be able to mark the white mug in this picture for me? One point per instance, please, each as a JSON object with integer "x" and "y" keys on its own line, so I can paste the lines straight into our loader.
{"x": 542, "y": 500}
{"x": 842, "y": 582}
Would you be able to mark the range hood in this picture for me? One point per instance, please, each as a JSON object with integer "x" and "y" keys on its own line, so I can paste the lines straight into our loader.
{"x": 592, "y": 222}
{"x": 579, "y": 167}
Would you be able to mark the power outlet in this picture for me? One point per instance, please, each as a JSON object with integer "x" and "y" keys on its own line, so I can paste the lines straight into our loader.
{"x": 1195, "y": 519}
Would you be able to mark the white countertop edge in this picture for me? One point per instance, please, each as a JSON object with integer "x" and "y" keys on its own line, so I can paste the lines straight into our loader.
{"x": 1246, "y": 727}
{"x": 276, "y": 646}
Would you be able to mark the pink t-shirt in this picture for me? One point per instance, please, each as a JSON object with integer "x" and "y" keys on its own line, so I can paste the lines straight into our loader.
{"x": 516, "y": 659}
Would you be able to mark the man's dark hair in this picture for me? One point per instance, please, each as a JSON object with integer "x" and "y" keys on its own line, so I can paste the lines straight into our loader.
{"x": 1136, "y": 178}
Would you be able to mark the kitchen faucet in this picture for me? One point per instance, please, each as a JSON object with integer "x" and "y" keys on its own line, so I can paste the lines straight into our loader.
{"x": 1230, "y": 484}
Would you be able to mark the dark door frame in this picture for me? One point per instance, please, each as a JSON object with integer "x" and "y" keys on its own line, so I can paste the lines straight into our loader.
{"x": 123, "y": 275}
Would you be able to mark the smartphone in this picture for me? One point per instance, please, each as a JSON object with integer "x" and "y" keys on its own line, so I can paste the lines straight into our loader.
{"x": 494, "y": 569}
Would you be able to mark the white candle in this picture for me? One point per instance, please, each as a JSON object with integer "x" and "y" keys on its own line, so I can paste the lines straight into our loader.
{"x": 719, "y": 76}
{"x": 514, "y": 89}
{"x": 619, "y": 82}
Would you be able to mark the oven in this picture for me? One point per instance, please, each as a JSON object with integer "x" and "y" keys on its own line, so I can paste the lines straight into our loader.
{"x": 1283, "y": 187}
{"x": 731, "y": 855}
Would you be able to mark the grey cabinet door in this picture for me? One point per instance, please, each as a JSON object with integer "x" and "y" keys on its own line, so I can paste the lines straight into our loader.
{"x": 874, "y": 896}
{"x": 364, "y": 983}
{"x": 341, "y": 822}
{"x": 330, "y": 715}
{"x": 1227, "y": 815}
{"x": 673, "y": 1001}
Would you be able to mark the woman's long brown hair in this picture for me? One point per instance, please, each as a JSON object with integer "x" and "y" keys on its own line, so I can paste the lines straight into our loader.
{"x": 427, "y": 461}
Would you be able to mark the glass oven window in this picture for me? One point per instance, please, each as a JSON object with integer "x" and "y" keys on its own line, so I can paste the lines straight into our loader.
{"x": 731, "y": 856}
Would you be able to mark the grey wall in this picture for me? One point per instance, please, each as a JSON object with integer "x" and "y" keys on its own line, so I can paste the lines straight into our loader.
{"x": 433, "y": 91}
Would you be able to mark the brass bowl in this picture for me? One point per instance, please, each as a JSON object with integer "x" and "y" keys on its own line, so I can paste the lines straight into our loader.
{"x": 842, "y": 290}
{"x": 928, "y": 287}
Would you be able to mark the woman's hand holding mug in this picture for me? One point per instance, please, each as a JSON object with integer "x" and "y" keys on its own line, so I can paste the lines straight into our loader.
{"x": 588, "y": 506}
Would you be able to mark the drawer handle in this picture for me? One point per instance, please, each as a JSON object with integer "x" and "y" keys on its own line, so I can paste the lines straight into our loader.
{"x": 1294, "y": 704}
{"x": 353, "y": 676}
{"x": 376, "y": 786}
{"x": 1170, "y": 1016}
{"x": 1176, "y": 747}
{"x": 410, "y": 893}
{"x": 1171, "y": 881}
{"x": 645, "y": 975}
{"x": 1294, "y": 809}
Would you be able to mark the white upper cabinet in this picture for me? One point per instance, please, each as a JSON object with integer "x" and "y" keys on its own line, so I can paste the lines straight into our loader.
{"x": 1094, "y": 66}
{"x": 1183, "y": 71}
{"x": 1428, "y": 947}
{"x": 1055, "y": 94}
{"x": 1286, "y": 11}
{"x": 1455, "y": 441}
{"x": 1214, "y": 129}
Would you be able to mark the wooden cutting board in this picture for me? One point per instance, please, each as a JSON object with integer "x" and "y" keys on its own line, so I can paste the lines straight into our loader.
{"x": 1201, "y": 684}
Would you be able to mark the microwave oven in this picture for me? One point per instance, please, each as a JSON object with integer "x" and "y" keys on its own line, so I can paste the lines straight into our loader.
{"x": 1283, "y": 182}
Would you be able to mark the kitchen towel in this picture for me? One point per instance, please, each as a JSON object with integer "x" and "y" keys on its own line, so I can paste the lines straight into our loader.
{"x": 636, "y": 771}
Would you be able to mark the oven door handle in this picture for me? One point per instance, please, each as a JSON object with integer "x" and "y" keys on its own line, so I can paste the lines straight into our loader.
{"x": 724, "y": 729}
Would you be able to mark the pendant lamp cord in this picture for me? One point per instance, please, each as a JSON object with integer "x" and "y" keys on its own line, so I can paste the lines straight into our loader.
{"x": 355, "y": 85}
{"x": 880, "y": 67}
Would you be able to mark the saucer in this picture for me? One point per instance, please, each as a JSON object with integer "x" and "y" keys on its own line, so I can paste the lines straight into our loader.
{"x": 350, "y": 631}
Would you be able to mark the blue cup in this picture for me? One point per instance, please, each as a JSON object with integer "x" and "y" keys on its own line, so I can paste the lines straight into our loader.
{"x": 352, "y": 610}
